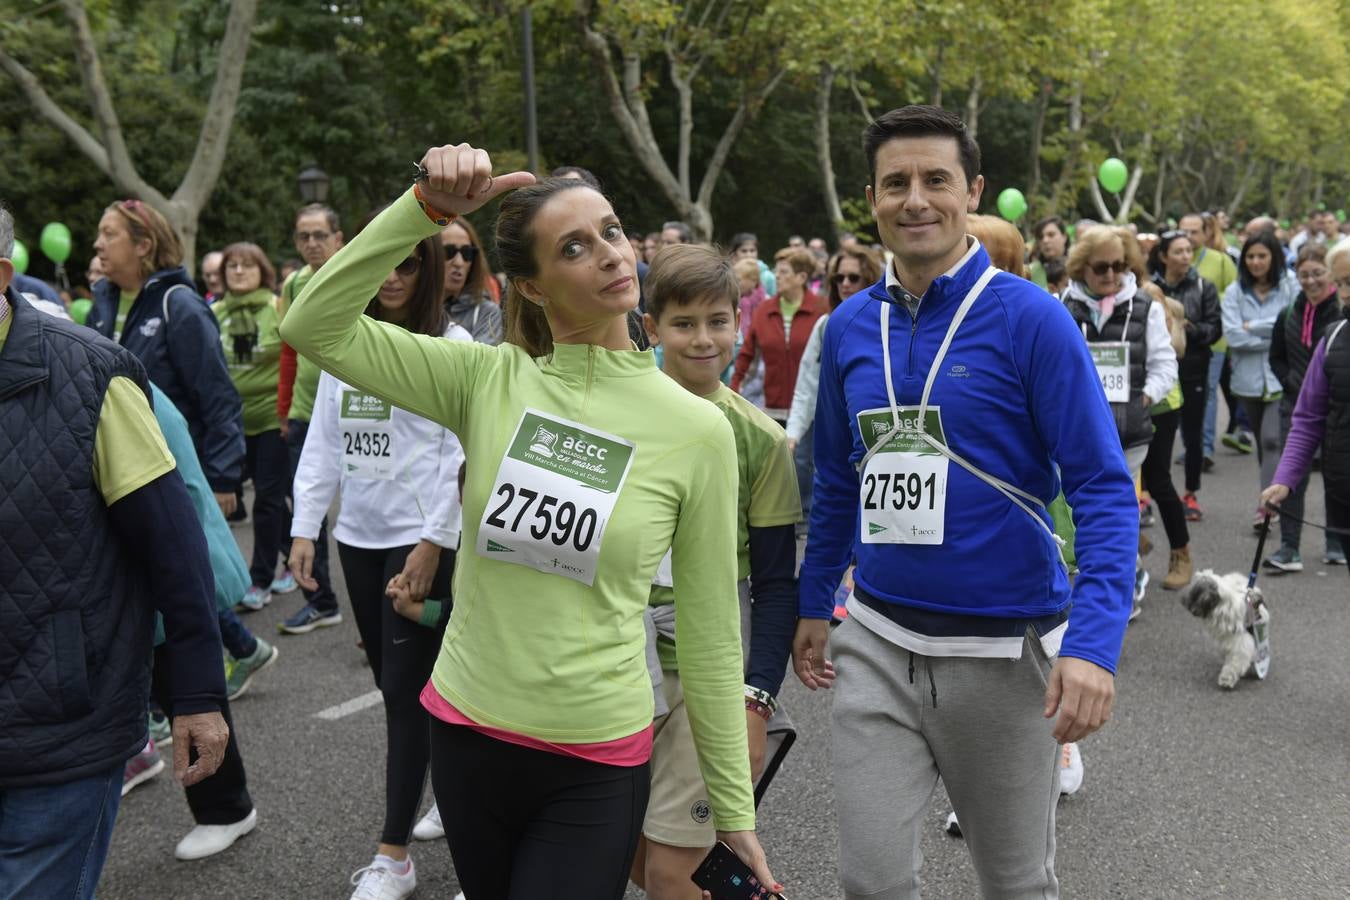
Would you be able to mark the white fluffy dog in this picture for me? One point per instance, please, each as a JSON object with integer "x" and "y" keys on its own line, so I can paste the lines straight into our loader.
{"x": 1221, "y": 601}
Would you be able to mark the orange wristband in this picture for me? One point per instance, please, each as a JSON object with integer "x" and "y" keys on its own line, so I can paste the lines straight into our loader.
{"x": 441, "y": 218}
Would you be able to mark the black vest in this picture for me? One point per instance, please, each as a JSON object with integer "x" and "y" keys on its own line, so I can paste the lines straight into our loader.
{"x": 76, "y": 623}
{"x": 1327, "y": 314}
{"x": 1336, "y": 441}
{"x": 1128, "y": 323}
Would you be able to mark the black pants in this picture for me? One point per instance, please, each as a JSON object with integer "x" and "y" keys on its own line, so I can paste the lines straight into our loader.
{"x": 1338, "y": 516}
{"x": 401, "y": 654}
{"x": 323, "y": 599}
{"x": 1195, "y": 396}
{"x": 1291, "y": 529}
{"x": 524, "y": 823}
{"x": 223, "y": 798}
{"x": 1156, "y": 477}
{"x": 269, "y": 465}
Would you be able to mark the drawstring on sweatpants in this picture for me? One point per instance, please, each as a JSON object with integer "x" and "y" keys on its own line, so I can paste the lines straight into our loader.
{"x": 911, "y": 667}
{"x": 932, "y": 684}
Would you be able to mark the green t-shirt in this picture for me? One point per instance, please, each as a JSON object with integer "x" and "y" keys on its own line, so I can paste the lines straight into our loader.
{"x": 306, "y": 373}
{"x": 129, "y": 449}
{"x": 123, "y": 307}
{"x": 1218, "y": 269}
{"x": 252, "y": 342}
{"x": 532, "y": 651}
{"x": 766, "y": 487}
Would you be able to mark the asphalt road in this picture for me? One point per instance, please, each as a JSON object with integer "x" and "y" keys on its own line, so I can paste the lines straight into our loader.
{"x": 1190, "y": 791}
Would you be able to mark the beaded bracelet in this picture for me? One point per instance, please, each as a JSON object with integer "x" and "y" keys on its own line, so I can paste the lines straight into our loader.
{"x": 758, "y": 709}
{"x": 437, "y": 216}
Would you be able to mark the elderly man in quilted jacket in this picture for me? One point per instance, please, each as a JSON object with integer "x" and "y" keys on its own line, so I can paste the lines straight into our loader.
{"x": 97, "y": 532}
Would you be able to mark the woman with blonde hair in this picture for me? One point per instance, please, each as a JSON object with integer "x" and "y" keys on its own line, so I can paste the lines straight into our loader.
{"x": 1003, "y": 242}
{"x": 1127, "y": 333}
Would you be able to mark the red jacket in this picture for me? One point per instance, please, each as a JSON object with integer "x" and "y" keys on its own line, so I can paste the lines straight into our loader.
{"x": 781, "y": 356}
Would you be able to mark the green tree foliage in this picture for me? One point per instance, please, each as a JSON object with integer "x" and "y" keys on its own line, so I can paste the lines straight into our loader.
{"x": 1214, "y": 104}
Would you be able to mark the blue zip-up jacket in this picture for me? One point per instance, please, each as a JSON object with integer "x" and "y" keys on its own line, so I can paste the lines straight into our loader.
{"x": 1018, "y": 395}
{"x": 187, "y": 361}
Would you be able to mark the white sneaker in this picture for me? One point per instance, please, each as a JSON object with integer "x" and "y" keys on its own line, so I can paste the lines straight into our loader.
{"x": 208, "y": 840}
{"x": 378, "y": 881}
{"x": 1070, "y": 770}
{"x": 459, "y": 896}
{"x": 429, "y": 827}
{"x": 952, "y": 827}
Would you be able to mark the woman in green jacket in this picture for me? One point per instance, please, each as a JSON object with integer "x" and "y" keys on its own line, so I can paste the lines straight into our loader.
{"x": 586, "y": 466}
{"x": 248, "y": 329}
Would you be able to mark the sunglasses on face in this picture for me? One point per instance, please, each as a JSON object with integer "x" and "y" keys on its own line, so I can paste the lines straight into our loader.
{"x": 1101, "y": 268}
{"x": 466, "y": 252}
{"x": 850, "y": 277}
{"x": 409, "y": 266}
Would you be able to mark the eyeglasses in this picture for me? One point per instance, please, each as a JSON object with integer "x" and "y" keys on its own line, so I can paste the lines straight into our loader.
{"x": 409, "y": 266}
{"x": 1312, "y": 276}
{"x": 1101, "y": 268}
{"x": 850, "y": 277}
{"x": 467, "y": 252}
{"x": 318, "y": 237}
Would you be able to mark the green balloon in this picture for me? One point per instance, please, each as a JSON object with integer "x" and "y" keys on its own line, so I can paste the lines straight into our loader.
{"x": 55, "y": 242}
{"x": 79, "y": 310}
{"x": 1012, "y": 205}
{"x": 1340, "y": 215}
{"x": 1112, "y": 175}
{"x": 1321, "y": 205}
{"x": 19, "y": 256}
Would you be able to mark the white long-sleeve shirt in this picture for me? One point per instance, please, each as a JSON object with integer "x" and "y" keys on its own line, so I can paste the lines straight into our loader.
{"x": 398, "y": 473}
{"x": 803, "y": 411}
{"x": 1160, "y": 367}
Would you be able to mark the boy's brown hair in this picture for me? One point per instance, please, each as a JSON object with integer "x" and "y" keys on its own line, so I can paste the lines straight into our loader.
{"x": 689, "y": 273}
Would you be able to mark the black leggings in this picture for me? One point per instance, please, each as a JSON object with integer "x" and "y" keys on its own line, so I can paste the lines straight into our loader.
{"x": 1338, "y": 516}
{"x": 1195, "y": 396}
{"x": 525, "y": 823}
{"x": 401, "y": 654}
{"x": 1156, "y": 478}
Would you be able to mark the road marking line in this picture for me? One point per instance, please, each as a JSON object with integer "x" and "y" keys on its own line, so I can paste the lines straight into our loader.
{"x": 354, "y": 705}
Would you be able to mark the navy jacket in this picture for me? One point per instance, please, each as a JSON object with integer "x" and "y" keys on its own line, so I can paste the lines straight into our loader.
{"x": 80, "y": 580}
{"x": 184, "y": 357}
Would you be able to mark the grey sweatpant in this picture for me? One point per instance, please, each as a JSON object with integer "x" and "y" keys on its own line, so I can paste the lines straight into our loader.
{"x": 977, "y": 724}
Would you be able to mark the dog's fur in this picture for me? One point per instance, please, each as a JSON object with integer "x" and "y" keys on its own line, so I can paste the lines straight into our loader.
{"x": 1221, "y": 601}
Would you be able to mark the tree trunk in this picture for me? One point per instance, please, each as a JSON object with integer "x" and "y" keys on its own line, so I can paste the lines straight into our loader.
{"x": 863, "y": 106}
{"x": 1132, "y": 188}
{"x": 1159, "y": 188}
{"x": 1243, "y": 184}
{"x": 1038, "y": 138}
{"x": 937, "y": 76}
{"x": 110, "y": 154}
{"x": 973, "y": 106}
{"x": 824, "y": 85}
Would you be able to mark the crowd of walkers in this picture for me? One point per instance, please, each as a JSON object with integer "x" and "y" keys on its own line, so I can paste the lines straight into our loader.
{"x": 617, "y": 530}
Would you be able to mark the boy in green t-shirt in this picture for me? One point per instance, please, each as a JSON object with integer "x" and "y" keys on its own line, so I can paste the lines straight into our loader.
{"x": 692, "y": 297}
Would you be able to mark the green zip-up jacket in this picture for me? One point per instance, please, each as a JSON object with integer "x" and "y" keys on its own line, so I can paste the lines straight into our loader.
{"x": 248, "y": 332}
{"x": 537, "y": 653}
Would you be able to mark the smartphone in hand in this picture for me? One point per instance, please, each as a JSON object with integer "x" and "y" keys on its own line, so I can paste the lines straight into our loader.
{"x": 726, "y": 877}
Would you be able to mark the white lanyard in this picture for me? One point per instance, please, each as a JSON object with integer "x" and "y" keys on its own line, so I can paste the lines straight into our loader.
{"x": 1010, "y": 491}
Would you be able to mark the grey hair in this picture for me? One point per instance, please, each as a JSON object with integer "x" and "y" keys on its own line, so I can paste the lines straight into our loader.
{"x": 6, "y": 233}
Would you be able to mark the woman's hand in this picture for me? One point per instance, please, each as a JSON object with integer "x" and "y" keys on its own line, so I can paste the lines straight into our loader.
{"x": 757, "y": 732}
{"x": 747, "y": 847}
{"x": 459, "y": 179}
{"x": 227, "y": 502}
{"x": 1274, "y": 495}
{"x": 420, "y": 568}
{"x": 301, "y": 563}
{"x": 404, "y": 604}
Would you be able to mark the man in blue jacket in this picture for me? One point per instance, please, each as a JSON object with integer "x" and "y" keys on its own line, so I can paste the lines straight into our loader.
{"x": 951, "y": 395}
{"x": 97, "y": 533}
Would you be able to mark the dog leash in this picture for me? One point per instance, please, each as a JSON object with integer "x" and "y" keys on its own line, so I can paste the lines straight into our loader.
{"x": 1303, "y": 521}
{"x": 1258, "y": 617}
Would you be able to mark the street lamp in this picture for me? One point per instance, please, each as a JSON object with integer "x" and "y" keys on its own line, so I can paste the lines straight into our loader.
{"x": 313, "y": 184}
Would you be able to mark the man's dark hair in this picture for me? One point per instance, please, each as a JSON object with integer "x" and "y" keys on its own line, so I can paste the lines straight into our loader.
{"x": 330, "y": 215}
{"x": 1055, "y": 273}
{"x": 585, "y": 175}
{"x": 921, "y": 121}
